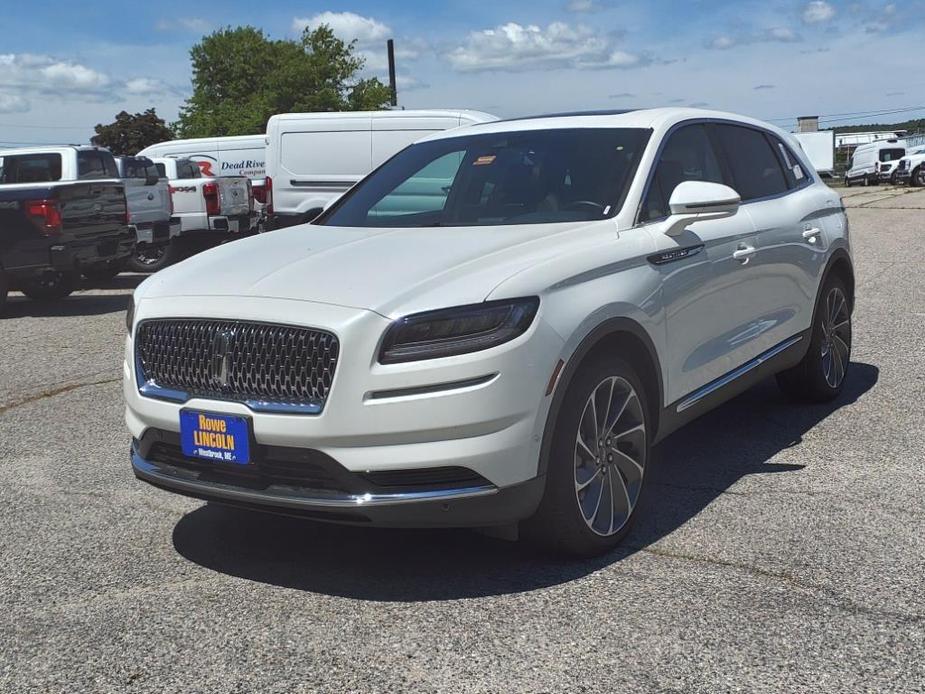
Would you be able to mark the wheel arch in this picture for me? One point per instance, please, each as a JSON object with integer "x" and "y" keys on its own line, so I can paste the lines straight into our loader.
{"x": 619, "y": 336}
{"x": 840, "y": 265}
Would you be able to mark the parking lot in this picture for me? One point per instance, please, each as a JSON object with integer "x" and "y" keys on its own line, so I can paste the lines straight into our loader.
{"x": 782, "y": 549}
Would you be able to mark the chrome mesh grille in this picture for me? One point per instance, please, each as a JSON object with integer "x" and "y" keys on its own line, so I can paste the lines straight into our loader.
{"x": 234, "y": 360}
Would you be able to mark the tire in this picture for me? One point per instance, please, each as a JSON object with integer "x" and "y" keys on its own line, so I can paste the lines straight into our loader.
{"x": 866, "y": 181}
{"x": 847, "y": 182}
{"x": 50, "y": 287}
{"x": 577, "y": 515}
{"x": 103, "y": 273}
{"x": 918, "y": 177}
{"x": 147, "y": 259}
{"x": 821, "y": 374}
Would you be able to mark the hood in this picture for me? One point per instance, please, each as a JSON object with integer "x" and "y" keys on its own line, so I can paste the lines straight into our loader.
{"x": 389, "y": 271}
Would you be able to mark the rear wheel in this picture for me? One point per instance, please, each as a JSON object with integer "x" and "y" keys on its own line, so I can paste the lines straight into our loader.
{"x": 918, "y": 176}
{"x": 49, "y": 287}
{"x": 820, "y": 376}
{"x": 148, "y": 258}
{"x": 597, "y": 464}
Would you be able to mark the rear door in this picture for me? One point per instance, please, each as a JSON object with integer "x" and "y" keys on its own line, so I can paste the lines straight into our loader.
{"x": 98, "y": 205}
{"x": 144, "y": 201}
{"x": 234, "y": 195}
{"x": 708, "y": 294}
{"x": 788, "y": 213}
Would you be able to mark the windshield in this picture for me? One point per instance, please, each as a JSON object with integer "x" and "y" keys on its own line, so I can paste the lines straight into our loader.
{"x": 526, "y": 177}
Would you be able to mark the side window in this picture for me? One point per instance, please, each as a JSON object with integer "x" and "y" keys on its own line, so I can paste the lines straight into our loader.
{"x": 109, "y": 165}
{"x": 793, "y": 171}
{"x": 687, "y": 156}
{"x": 89, "y": 165}
{"x": 756, "y": 169}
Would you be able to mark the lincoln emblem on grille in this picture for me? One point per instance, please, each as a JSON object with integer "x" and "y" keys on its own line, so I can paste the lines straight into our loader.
{"x": 221, "y": 357}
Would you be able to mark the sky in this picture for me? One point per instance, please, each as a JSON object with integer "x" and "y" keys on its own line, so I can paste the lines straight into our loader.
{"x": 66, "y": 66}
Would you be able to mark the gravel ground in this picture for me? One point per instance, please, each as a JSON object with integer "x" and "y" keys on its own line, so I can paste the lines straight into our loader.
{"x": 782, "y": 549}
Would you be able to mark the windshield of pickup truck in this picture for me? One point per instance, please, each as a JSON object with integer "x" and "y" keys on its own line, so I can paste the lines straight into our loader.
{"x": 30, "y": 168}
{"x": 522, "y": 177}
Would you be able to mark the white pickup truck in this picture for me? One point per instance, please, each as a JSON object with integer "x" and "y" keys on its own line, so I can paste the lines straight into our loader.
{"x": 206, "y": 208}
{"x": 150, "y": 211}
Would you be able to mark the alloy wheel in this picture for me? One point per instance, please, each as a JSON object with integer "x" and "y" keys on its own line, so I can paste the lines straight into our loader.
{"x": 836, "y": 337}
{"x": 610, "y": 455}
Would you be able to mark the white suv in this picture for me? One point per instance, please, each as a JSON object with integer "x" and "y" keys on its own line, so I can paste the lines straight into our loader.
{"x": 496, "y": 326}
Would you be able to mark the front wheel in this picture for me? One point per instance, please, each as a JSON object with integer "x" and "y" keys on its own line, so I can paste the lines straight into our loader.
{"x": 820, "y": 375}
{"x": 49, "y": 287}
{"x": 918, "y": 176}
{"x": 597, "y": 464}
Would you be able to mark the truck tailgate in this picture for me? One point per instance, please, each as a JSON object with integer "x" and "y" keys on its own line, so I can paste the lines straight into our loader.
{"x": 234, "y": 195}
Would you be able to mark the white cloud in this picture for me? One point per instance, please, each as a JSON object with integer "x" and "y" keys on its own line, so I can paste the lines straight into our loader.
{"x": 34, "y": 72}
{"x": 513, "y": 46}
{"x": 13, "y": 103}
{"x": 778, "y": 34}
{"x": 192, "y": 24}
{"x": 818, "y": 12}
{"x": 582, "y": 6}
{"x": 346, "y": 26}
{"x": 722, "y": 42}
{"x": 146, "y": 86}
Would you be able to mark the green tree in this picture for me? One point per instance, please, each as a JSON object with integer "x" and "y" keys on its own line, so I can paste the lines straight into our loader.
{"x": 130, "y": 133}
{"x": 241, "y": 78}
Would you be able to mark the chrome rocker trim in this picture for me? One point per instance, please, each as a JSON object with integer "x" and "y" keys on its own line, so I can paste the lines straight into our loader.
{"x": 748, "y": 366}
{"x": 181, "y": 480}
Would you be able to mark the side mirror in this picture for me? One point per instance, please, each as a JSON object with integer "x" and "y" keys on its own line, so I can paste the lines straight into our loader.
{"x": 151, "y": 180}
{"x": 696, "y": 201}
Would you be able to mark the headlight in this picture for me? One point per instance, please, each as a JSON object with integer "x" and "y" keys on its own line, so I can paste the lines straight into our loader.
{"x": 130, "y": 315}
{"x": 459, "y": 330}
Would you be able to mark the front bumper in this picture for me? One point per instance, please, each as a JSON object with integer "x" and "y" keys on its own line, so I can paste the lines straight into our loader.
{"x": 472, "y": 504}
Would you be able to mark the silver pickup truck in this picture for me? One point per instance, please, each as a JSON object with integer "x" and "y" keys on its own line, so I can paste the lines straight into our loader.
{"x": 150, "y": 211}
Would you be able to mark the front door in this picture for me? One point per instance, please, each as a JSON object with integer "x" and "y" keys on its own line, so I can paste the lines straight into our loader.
{"x": 708, "y": 296}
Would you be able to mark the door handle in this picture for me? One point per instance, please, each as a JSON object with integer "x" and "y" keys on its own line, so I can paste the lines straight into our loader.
{"x": 743, "y": 253}
{"x": 812, "y": 234}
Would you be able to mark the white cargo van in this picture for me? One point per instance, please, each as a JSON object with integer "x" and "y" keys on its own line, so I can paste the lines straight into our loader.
{"x": 875, "y": 162}
{"x": 313, "y": 158}
{"x": 241, "y": 155}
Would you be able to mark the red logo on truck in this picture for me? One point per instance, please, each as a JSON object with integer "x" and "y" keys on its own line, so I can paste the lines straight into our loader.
{"x": 205, "y": 167}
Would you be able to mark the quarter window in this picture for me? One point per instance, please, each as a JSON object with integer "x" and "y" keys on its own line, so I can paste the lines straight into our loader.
{"x": 687, "y": 156}
{"x": 756, "y": 169}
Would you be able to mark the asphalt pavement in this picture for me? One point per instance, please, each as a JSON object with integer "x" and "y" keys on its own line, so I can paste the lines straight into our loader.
{"x": 782, "y": 547}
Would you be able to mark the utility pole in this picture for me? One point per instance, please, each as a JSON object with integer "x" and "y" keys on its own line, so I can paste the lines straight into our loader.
{"x": 392, "y": 86}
